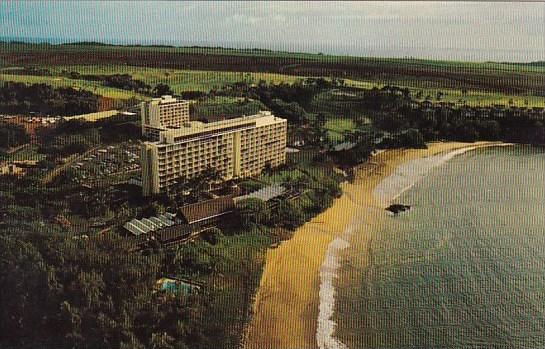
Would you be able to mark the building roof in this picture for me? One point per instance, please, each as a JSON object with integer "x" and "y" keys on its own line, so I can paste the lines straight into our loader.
{"x": 166, "y": 99}
{"x": 94, "y": 116}
{"x": 344, "y": 146}
{"x": 196, "y": 129}
{"x": 147, "y": 225}
{"x": 174, "y": 232}
{"x": 207, "y": 209}
{"x": 265, "y": 194}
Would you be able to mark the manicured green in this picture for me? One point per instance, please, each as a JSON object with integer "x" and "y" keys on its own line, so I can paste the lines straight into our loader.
{"x": 60, "y": 81}
{"x": 336, "y": 127}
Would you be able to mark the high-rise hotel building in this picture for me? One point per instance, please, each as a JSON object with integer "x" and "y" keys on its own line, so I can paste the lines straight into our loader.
{"x": 161, "y": 114}
{"x": 236, "y": 148}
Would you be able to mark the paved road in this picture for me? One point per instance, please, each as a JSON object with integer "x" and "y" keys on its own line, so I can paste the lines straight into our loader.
{"x": 60, "y": 169}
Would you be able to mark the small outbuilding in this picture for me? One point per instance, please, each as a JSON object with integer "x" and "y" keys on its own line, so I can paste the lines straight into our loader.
{"x": 207, "y": 211}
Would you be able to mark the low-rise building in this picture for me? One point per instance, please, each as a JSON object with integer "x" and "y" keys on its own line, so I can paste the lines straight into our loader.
{"x": 207, "y": 211}
{"x": 10, "y": 169}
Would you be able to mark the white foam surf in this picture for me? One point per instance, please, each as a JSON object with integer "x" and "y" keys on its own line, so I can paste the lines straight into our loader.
{"x": 328, "y": 273}
{"x": 408, "y": 174}
{"x": 403, "y": 178}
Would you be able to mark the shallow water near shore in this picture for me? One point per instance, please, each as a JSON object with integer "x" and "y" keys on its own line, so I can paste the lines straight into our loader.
{"x": 465, "y": 267}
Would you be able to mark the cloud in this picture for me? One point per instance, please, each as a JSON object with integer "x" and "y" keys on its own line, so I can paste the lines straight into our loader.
{"x": 338, "y": 27}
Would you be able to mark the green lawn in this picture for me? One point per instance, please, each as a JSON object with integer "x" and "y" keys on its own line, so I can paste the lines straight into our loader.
{"x": 181, "y": 80}
{"x": 59, "y": 81}
{"x": 480, "y": 98}
{"x": 178, "y": 80}
{"x": 472, "y": 97}
{"x": 336, "y": 127}
{"x": 198, "y": 80}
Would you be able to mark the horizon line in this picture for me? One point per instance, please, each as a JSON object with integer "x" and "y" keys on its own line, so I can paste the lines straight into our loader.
{"x": 68, "y": 41}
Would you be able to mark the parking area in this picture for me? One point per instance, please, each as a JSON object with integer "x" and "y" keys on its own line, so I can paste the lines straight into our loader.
{"x": 111, "y": 164}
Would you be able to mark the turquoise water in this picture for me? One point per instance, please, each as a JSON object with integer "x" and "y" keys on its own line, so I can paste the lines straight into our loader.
{"x": 465, "y": 268}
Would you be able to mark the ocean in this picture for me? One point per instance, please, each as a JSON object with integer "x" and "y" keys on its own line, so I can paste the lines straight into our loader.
{"x": 464, "y": 268}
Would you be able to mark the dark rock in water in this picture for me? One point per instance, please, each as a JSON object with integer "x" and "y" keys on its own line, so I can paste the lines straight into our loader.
{"x": 396, "y": 208}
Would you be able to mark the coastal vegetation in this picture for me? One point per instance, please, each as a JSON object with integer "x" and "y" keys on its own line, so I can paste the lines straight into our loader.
{"x": 80, "y": 273}
{"x": 47, "y": 243}
{"x": 94, "y": 289}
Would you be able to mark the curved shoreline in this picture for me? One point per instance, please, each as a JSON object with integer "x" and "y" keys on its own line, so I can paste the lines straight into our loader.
{"x": 287, "y": 305}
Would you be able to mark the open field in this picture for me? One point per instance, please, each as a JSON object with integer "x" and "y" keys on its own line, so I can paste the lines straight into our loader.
{"x": 187, "y": 80}
{"x": 472, "y": 97}
{"x": 499, "y": 77}
{"x": 263, "y": 53}
{"x": 179, "y": 79}
{"x": 205, "y": 69}
{"x": 336, "y": 127}
{"x": 59, "y": 81}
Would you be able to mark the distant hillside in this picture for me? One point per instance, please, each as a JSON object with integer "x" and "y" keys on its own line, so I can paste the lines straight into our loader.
{"x": 502, "y": 77}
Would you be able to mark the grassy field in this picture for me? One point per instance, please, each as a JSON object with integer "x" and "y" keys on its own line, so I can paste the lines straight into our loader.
{"x": 187, "y": 80}
{"x": 481, "y": 98}
{"x": 58, "y": 81}
{"x": 336, "y": 127}
{"x": 204, "y": 69}
{"x": 262, "y": 53}
{"x": 509, "y": 78}
{"x": 473, "y": 97}
{"x": 179, "y": 79}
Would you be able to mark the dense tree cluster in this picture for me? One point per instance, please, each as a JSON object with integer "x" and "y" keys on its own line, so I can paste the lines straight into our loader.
{"x": 411, "y": 138}
{"x": 161, "y": 89}
{"x": 451, "y": 124}
{"x": 210, "y": 110}
{"x": 19, "y": 98}
{"x": 34, "y": 71}
{"x": 121, "y": 81}
{"x": 192, "y": 94}
{"x": 360, "y": 152}
{"x": 64, "y": 290}
{"x": 286, "y": 100}
{"x": 126, "y": 82}
{"x": 77, "y": 136}
{"x": 86, "y": 293}
{"x": 12, "y": 135}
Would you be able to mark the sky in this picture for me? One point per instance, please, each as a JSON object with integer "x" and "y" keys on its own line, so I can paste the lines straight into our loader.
{"x": 470, "y": 31}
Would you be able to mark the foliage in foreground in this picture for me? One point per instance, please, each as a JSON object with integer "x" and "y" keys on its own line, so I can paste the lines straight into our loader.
{"x": 61, "y": 292}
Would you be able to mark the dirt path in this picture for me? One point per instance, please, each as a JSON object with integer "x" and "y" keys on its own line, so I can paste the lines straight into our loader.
{"x": 51, "y": 175}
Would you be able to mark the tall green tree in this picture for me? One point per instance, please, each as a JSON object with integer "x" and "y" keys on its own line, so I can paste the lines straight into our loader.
{"x": 253, "y": 211}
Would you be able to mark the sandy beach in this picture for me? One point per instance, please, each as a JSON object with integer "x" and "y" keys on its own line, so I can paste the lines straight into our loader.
{"x": 287, "y": 303}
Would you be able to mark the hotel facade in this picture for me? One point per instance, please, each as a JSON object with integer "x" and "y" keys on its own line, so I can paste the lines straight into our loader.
{"x": 236, "y": 148}
{"x": 161, "y": 114}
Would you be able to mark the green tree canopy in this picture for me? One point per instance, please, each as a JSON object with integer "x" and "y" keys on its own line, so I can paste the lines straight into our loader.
{"x": 253, "y": 211}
